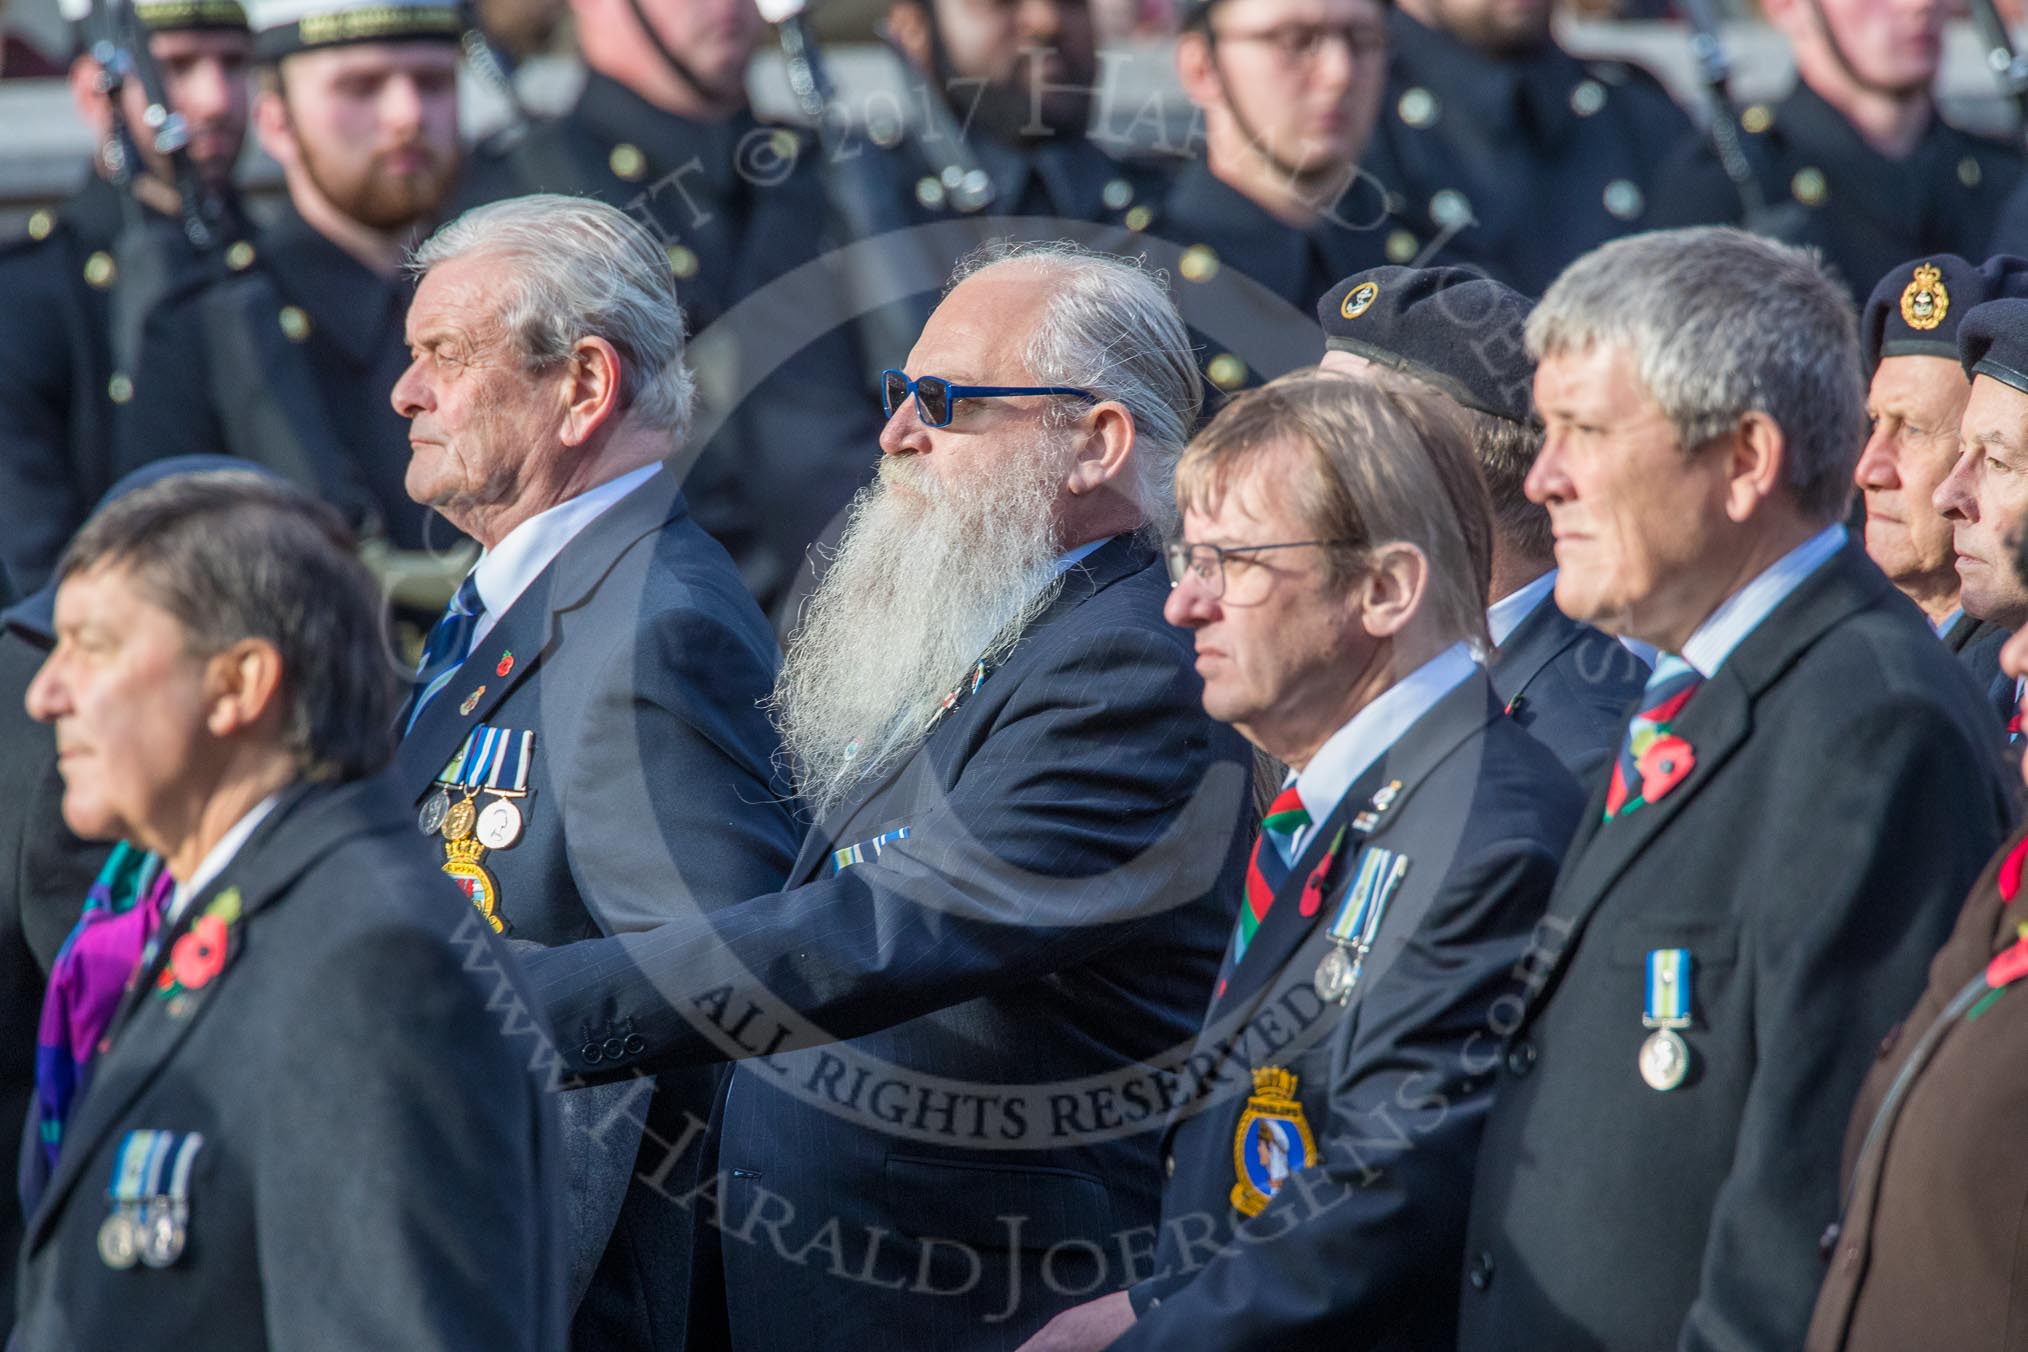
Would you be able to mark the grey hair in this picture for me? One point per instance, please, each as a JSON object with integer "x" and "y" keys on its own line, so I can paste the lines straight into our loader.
{"x": 585, "y": 270}
{"x": 234, "y": 555}
{"x": 1719, "y": 324}
{"x": 1110, "y": 327}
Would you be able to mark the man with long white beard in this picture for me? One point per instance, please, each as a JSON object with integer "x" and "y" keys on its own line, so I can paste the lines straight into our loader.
{"x": 358, "y": 104}
{"x": 972, "y": 1004}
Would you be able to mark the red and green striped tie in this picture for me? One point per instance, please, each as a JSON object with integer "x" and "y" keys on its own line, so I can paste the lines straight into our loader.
{"x": 1274, "y": 854}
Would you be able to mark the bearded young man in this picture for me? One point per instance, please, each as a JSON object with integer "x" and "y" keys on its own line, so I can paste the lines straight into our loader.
{"x": 358, "y": 104}
{"x": 1007, "y": 904}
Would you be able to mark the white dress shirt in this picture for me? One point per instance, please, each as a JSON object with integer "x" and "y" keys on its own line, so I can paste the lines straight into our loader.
{"x": 217, "y": 857}
{"x": 1504, "y": 616}
{"x": 506, "y": 570}
{"x": 1351, "y": 751}
{"x": 1727, "y": 627}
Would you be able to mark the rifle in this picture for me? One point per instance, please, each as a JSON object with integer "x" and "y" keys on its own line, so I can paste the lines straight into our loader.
{"x": 1714, "y": 74}
{"x": 2008, "y": 67}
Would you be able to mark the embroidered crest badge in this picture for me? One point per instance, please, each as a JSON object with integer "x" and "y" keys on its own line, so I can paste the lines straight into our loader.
{"x": 1925, "y": 301}
{"x": 1272, "y": 1142}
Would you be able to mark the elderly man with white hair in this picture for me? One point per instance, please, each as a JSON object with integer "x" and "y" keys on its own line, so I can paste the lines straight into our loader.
{"x": 1806, "y": 789}
{"x": 964, "y": 1019}
{"x": 584, "y": 747}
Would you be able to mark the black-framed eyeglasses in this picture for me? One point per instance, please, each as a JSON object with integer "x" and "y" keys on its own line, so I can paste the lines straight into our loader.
{"x": 1206, "y": 563}
{"x": 936, "y": 397}
{"x": 1302, "y": 44}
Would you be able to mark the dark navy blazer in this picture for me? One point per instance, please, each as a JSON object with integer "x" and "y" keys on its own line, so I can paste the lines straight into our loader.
{"x": 640, "y": 663}
{"x": 1569, "y": 686}
{"x": 948, "y": 1122}
{"x": 1363, "y": 1250}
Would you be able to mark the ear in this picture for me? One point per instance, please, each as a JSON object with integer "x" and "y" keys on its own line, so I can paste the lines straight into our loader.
{"x": 245, "y": 684}
{"x": 271, "y": 124}
{"x": 1756, "y": 456}
{"x": 591, "y": 389}
{"x": 1105, "y": 441}
{"x": 1392, "y": 592}
{"x": 86, "y": 96}
{"x": 908, "y": 27}
{"x": 1197, "y": 69}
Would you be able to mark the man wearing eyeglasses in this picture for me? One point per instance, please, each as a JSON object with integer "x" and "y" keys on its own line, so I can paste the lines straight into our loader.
{"x": 1336, "y": 548}
{"x": 1492, "y": 132}
{"x": 1276, "y": 210}
{"x": 954, "y": 1024}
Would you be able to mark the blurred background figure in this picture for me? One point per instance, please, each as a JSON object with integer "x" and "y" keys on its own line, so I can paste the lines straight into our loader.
{"x": 358, "y": 104}
{"x": 1287, "y": 91}
{"x": 1498, "y": 150}
{"x": 1856, "y": 161}
{"x": 310, "y": 995}
{"x": 663, "y": 129}
{"x": 84, "y": 278}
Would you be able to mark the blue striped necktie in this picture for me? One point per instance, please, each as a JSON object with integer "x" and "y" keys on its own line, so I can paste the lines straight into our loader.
{"x": 448, "y": 644}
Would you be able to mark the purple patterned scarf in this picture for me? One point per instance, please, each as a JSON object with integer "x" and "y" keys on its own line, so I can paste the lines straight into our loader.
{"x": 121, "y": 913}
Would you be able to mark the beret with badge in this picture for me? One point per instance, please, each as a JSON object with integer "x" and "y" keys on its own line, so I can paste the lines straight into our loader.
{"x": 161, "y": 16}
{"x": 1452, "y": 327}
{"x": 1993, "y": 341}
{"x": 1916, "y": 309}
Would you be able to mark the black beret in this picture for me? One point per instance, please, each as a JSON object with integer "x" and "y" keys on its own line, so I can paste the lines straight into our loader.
{"x": 1993, "y": 341}
{"x": 1916, "y": 309}
{"x": 1456, "y": 329}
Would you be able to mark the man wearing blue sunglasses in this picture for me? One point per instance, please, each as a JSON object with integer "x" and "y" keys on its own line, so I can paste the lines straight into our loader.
{"x": 1008, "y": 904}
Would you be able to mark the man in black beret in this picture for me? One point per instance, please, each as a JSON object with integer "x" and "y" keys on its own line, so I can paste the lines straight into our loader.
{"x": 1461, "y": 333}
{"x": 1909, "y": 335}
{"x": 1985, "y": 495}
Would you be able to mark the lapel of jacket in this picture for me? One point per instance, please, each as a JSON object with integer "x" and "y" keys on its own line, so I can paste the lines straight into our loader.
{"x": 1458, "y": 715}
{"x": 144, "y": 1035}
{"x": 1715, "y": 723}
{"x": 529, "y": 630}
{"x": 1119, "y": 558}
{"x": 1538, "y": 640}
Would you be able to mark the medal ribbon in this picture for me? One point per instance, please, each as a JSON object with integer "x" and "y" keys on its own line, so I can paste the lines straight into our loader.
{"x": 1668, "y": 994}
{"x": 1380, "y": 872}
{"x": 487, "y": 752}
{"x": 858, "y": 854}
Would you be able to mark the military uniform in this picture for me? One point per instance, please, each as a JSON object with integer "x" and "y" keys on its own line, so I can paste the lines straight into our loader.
{"x": 1514, "y": 166}
{"x": 1824, "y": 185}
{"x": 288, "y": 362}
{"x": 59, "y": 378}
{"x": 789, "y": 419}
{"x": 1249, "y": 333}
{"x": 1929, "y": 1252}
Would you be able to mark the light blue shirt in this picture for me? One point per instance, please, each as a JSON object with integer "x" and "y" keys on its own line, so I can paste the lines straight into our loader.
{"x": 1351, "y": 751}
{"x": 506, "y": 570}
{"x": 1504, "y": 616}
{"x": 1741, "y": 613}
{"x": 1080, "y": 554}
{"x": 1943, "y": 626}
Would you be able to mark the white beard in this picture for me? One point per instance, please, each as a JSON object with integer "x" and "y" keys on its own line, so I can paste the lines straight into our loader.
{"x": 927, "y": 582}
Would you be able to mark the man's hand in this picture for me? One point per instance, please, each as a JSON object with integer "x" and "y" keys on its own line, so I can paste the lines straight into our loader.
{"x": 1085, "y": 1328}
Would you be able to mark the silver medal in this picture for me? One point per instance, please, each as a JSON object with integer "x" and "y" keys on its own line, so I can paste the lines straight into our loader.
{"x": 161, "y": 1233}
{"x": 1665, "y": 1059}
{"x": 499, "y": 824}
{"x": 119, "y": 1241}
{"x": 1334, "y": 975}
{"x": 431, "y": 819}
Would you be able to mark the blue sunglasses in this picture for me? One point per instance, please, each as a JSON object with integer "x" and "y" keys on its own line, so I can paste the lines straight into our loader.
{"x": 936, "y": 397}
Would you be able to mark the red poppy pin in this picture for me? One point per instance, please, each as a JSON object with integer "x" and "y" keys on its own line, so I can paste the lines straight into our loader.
{"x": 199, "y": 955}
{"x": 1666, "y": 763}
{"x": 2009, "y": 879}
{"x": 506, "y": 664}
